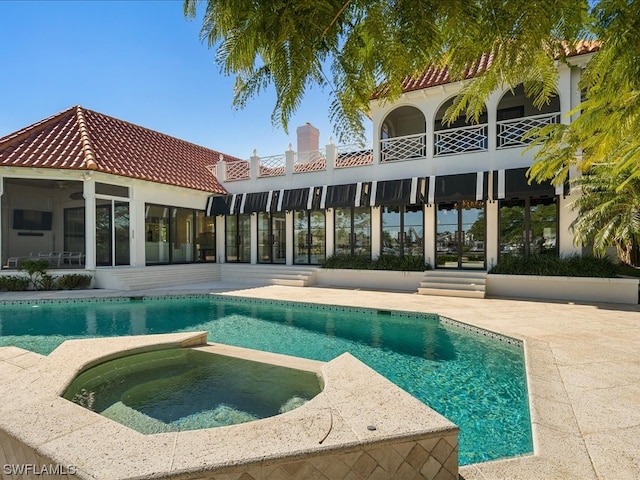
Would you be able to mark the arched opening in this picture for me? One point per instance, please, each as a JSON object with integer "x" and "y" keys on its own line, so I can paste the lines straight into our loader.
{"x": 517, "y": 116}
{"x": 403, "y": 135}
{"x": 460, "y": 136}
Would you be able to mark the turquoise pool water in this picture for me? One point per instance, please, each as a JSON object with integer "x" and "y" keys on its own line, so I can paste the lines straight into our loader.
{"x": 182, "y": 389}
{"x": 476, "y": 381}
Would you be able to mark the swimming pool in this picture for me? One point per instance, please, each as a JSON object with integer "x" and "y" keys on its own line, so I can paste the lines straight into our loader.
{"x": 476, "y": 381}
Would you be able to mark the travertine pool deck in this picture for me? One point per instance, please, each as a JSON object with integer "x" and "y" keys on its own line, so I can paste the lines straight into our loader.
{"x": 583, "y": 369}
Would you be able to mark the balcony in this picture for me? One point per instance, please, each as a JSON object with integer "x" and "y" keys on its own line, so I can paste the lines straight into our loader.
{"x": 408, "y": 147}
{"x": 473, "y": 138}
{"x": 510, "y": 133}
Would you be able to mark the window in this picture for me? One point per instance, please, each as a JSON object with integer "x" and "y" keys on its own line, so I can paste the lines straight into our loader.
{"x": 353, "y": 231}
{"x": 402, "y": 230}
{"x": 529, "y": 227}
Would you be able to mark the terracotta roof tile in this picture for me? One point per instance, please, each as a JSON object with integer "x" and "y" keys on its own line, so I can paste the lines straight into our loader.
{"x": 82, "y": 139}
{"x": 433, "y": 76}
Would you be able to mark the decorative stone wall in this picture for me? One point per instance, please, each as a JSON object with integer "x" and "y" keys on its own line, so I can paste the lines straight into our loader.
{"x": 428, "y": 459}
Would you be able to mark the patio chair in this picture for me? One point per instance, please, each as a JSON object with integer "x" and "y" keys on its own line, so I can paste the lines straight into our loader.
{"x": 72, "y": 257}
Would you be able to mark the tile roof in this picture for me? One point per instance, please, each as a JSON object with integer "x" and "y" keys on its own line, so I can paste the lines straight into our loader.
{"x": 81, "y": 139}
{"x": 433, "y": 76}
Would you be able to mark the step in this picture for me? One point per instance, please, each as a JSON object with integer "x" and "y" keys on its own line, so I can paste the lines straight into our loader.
{"x": 443, "y": 292}
{"x": 453, "y": 286}
{"x": 454, "y": 283}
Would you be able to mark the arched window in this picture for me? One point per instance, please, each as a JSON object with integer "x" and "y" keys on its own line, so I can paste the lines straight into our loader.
{"x": 517, "y": 115}
{"x": 402, "y": 135}
{"x": 460, "y": 136}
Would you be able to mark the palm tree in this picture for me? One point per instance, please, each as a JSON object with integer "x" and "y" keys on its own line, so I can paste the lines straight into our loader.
{"x": 609, "y": 212}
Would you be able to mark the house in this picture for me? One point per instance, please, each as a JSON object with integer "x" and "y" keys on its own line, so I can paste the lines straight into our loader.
{"x": 457, "y": 194}
{"x": 123, "y": 195}
{"x": 116, "y": 193}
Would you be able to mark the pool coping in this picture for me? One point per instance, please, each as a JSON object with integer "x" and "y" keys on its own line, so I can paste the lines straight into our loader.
{"x": 337, "y": 420}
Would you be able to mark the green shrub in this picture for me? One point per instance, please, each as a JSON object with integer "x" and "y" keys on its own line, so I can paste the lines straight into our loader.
{"x": 37, "y": 274}
{"x": 408, "y": 263}
{"x": 548, "y": 265}
{"x": 14, "y": 283}
{"x": 73, "y": 281}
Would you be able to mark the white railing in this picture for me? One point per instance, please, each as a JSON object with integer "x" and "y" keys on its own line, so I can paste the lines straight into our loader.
{"x": 314, "y": 161}
{"x": 408, "y": 147}
{"x": 354, "y": 155}
{"x": 237, "y": 170}
{"x": 273, "y": 166}
{"x": 510, "y": 132}
{"x": 473, "y": 138}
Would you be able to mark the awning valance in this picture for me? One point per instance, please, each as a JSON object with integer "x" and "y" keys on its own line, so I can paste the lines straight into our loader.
{"x": 513, "y": 184}
{"x": 255, "y": 202}
{"x": 349, "y": 195}
{"x": 453, "y": 188}
{"x": 218, "y": 205}
{"x": 410, "y": 191}
{"x": 295, "y": 199}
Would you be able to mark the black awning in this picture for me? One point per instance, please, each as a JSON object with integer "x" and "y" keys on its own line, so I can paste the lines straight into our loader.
{"x": 256, "y": 202}
{"x": 295, "y": 199}
{"x": 341, "y": 195}
{"x": 349, "y": 195}
{"x": 218, "y": 205}
{"x": 466, "y": 186}
{"x": 410, "y": 191}
{"x": 513, "y": 183}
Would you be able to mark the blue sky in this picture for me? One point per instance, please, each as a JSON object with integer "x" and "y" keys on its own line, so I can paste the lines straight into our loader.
{"x": 140, "y": 61}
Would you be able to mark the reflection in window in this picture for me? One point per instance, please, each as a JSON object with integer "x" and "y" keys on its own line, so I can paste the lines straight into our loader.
{"x": 309, "y": 236}
{"x": 238, "y": 238}
{"x": 528, "y": 227}
{"x": 178, "y": 235}
{"x": 402, "y": 230}
{"x": 353, "y": 231}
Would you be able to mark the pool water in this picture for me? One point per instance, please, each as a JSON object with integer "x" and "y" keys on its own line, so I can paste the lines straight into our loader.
{"x": 183, "y": 389}
{"x": 476, "y": 381}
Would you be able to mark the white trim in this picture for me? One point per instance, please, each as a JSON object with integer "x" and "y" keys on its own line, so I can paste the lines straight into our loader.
{"x": 269, "y": 199}
{"x": 432, "y": 189}
{"x": 479, "y": 185}
{"x": 233, "y": 204}
{"x": 356, "y": 201}
{"x": 323, "y": 197}
{"x": 374, "y": 190}
{"x": 280, "y": 198}
{"x": 242, "y": 202}
{"x": 310, "y": 199}
{"x": 501, "y": 184}
{"x": 413, "y": 197}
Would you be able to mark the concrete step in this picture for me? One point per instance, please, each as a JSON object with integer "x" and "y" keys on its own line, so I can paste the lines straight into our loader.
{"x": 269, "y": 274}
{"x": 453, "y": 283}
{"x": 443, "y": 292}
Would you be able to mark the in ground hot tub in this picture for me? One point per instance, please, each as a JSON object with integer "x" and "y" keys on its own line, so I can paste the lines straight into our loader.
{"x": 184, "y": 389}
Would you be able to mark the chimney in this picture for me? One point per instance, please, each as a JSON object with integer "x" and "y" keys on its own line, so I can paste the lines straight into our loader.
{"x": 308, "y": 138}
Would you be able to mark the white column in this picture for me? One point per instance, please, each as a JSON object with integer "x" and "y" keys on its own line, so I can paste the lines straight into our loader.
{"x": 89, "y": 192}
{"x": 430, "y": 234}
{"x": 492, "y": 242}
{"x": 330, "y": 232}
{"x": 220, "y": 235}
{"x": 137, "y": 219}
{"x": 2, "y": 262}
{"x": 376, "y": 232}
{"x": 566, "y": 216}
{"x": 289, "y": 233}
{"x": 254, "y": 238}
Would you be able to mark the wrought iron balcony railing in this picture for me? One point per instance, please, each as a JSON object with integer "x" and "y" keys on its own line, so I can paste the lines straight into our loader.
{"x": 473, "y": 138}
{"x": 510, "y": 132}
